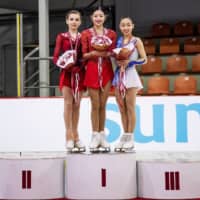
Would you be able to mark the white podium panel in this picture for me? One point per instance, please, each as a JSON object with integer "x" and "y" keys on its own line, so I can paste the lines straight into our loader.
{"x": 31, "y": 178}
{"x": 168, "y": 180}
{"x": 101, "y": 176}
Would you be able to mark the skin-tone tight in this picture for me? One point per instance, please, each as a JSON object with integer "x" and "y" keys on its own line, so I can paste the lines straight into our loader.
{"x": 127, "y": 108}
{"x": 98, "y": 101}
{"x": 71, "y": 114}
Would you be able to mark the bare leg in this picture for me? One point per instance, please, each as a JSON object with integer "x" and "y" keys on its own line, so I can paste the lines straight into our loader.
{"x": 68, "y": 101}
{"x": 103, "y": 99}
{"x": 75, "y": 118}
{"x": 123, "y": 110}
{"x": 130, "y": 105}
{"x": 95, "y": 103}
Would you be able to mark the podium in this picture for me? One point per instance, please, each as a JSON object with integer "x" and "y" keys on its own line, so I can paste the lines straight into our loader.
{"x": 168, "y": 179}
{"x": 101, "y": 176}
{"x": 31, "y": 178}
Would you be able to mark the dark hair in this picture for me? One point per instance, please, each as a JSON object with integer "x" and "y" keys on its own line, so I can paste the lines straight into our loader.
{"x": 72, "y": 12}
{"x": 126, "y": 18}
{"x": 97, "y": 8}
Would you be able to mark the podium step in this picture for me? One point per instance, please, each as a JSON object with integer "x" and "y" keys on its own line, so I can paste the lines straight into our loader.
{"x": 139, "y": 176}
{"x": 101, "y": 176}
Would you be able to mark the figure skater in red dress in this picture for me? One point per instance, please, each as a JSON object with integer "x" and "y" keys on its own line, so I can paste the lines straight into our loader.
{"x": 67, "y": 55}
{"x": 97, "y": 44}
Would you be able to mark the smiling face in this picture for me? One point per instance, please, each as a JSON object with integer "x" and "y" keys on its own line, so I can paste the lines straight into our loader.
{"x": 98, "y": 18}
{"x": 126, "y": 26}
{"x": 73, "y": 20}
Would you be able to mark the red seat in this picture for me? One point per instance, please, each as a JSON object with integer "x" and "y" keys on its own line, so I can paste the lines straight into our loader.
{"x": 176, "y": 64}
{"x": 169, "y": 46}
{"x": 182, "y": 28}
{"x": 185, "y": 85}
{"x": 158, "y": 85}
{"x": 192, "y": 45}
{"x": 161, "y": 29}
{"x": 153, "y": 65}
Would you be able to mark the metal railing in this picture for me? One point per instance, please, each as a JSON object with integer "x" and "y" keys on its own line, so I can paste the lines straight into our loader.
{"x": 26, "y": 87}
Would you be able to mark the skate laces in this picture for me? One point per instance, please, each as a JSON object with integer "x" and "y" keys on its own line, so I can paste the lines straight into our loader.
{"x": 70, "y": 144}
{"x": 123, "y": 138}
{"x": 95, "y": 137}
{"x": 79, "y": 144}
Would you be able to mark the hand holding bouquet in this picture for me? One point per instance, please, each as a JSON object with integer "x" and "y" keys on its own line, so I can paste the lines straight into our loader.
{"x": 67, "y": 59}
{"x": 101, "y": 43}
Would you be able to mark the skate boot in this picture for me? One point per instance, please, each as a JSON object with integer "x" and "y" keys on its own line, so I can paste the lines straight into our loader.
{"x": 95, "y": 142}
{"x": 69, "y": 146}
{"x": 79, "y": 147}
{"x": 128, "y": 146}
{"x": 104, "y": 145}
{"x": 118, "y": 147}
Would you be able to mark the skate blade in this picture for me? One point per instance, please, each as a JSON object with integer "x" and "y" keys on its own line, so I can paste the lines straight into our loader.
{"x": 104, "y": 150}
{"x": 128, "y": 150}
{"x": 76, "y": 150}
{"x": 94, "y": 150}
{"x": 117, "y": 150}
{"x": 100, "y": 150}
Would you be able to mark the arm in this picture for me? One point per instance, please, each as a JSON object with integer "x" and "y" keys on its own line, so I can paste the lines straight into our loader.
{"x": 142, "y": 54}
{"x": 57, "y": 48}
{"x": 141, "y": 51}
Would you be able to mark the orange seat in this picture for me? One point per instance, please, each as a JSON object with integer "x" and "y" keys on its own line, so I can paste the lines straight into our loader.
{"x": 185, "y": 85}
{"x": 169, "y": 45}
{"x": 183, "y": 28}
{"x": 158, "y": 85}
{"x": 149, "y": 46}
{"x": 176, "y": 63}
{"x": 153, "y": 65}
{"x": 196, "y": 63}
{"x": 160, "y": 29}
{"x": 192, "y": 45}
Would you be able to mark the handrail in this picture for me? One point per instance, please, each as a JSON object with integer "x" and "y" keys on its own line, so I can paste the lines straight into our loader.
{"x": 31, "y": 53}
{"x": 39, "y": 58}
{"x": 29, "y": 57}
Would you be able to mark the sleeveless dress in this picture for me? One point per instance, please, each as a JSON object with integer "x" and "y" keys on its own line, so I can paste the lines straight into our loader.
{"x": 131, "y": 78}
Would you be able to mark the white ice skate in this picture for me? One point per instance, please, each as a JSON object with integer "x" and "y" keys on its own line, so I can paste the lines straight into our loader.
{"x": 128, "y": 146}
{"x": 104, "y": 145}
{"x": 118, "y": 147}
{"x": 95, "y": 142}
{"x": 69, "y": 146}
{"x": 79, "y": 147}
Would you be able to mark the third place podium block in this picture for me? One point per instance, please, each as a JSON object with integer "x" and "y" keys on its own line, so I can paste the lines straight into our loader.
{"x": 101, "y": 176}
{"x": 169, "y": 179}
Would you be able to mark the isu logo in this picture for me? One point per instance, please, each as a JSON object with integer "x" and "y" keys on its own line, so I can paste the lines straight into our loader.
{"x": 172, "y": 180}
{"x": 26, "y": 179}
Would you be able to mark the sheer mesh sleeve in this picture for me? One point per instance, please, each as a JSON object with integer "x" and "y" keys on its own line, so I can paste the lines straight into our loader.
{"x": 58, "y": 48}
{"x": 113, "y": 37}
{"x": 84, "y": 42}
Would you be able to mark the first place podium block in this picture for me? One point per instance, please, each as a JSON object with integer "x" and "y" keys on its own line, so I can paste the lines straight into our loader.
{"x": 101, "y": 176}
